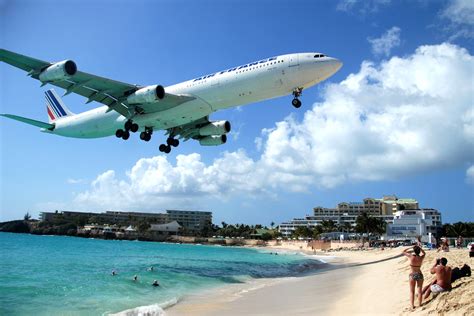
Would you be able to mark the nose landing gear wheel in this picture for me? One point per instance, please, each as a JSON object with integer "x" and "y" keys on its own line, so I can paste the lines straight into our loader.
{"x": 296, "y": 103}
{"x": 297, "y": 93}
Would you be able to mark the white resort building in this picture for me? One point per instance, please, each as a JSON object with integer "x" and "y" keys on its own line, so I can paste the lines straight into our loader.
{"x": 403, "y": 216}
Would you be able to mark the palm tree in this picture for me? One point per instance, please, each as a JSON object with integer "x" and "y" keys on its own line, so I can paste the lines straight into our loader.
{"x": 370, "y": 225}
{"x": 459, "y": 229}
{"x": 272, "y": 224}
{"x": 328, "y": 226}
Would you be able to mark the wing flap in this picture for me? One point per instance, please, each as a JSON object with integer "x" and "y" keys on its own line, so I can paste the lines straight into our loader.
{"x": 29, "y": 121}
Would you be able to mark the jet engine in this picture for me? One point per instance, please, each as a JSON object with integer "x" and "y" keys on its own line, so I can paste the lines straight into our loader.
{"x": 213, "y": 140}
{"x": 215, "y": 128}
{"x": 58, "y": 71}
{"x": 148, "y": 94}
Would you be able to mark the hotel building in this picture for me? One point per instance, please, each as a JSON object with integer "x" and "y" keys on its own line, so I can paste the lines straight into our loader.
{"x": 192, "y": 221}
{"x": 389, "y": 208}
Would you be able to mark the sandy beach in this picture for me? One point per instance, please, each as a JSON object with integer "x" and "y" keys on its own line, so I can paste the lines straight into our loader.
{"x": 370, "y": 282}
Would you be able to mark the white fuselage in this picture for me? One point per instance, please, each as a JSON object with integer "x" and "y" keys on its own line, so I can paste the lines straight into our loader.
{"x": 261, "y": 80}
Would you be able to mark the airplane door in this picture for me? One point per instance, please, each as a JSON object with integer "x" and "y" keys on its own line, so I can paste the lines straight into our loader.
{"x": 294, "y": 60}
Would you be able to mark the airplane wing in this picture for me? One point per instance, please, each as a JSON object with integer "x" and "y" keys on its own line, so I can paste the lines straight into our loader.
{"x": 114, "y": 94}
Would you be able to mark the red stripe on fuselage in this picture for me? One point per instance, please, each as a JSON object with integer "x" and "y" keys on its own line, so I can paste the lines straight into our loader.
{"x": 51, "y": 116}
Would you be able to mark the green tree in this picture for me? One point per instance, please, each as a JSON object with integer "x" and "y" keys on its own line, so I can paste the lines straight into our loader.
{"x": 143, "y": 226}
{"x": 328, "y": 226}
{"x": 317, "y": 231}
{"x": 346, "y": 227}
{"x": 302, "y": 231}
{"x": 459, "y": 229}
{"x": 369, "y": 224}
{"x": 27, "y": 216}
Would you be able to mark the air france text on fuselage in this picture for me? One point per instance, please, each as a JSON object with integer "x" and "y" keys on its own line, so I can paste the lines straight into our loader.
{"x": 237, "y": 68}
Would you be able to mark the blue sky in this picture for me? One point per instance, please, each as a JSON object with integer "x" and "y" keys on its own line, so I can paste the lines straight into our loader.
{"x": 413, "y": 138}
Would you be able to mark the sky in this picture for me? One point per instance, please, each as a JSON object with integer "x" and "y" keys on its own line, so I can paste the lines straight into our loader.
{"x": 398, "y": 118}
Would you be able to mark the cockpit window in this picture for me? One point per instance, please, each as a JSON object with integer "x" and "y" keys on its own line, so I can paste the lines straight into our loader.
{"x": 319, "y": 55}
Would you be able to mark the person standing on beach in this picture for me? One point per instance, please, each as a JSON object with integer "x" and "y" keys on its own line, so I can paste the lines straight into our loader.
{"x": 415, "y": 277}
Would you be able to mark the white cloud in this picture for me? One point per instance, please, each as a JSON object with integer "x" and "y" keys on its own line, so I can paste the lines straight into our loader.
{"x": 384, "y": 44}
{"x": 401, "y": 117}
{"x": 361, "y": 6}
{"x": 461, "y": 15}
{"x": 470, "y": 175}
{"x": 76, "y": 181}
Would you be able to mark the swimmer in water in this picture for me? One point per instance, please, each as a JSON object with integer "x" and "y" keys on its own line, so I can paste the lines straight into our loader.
{"x": 135, "y": 278}
{"x": 151, "y": 268}
{"x": 113, "y": 272}
{"x": 155, "y": 283}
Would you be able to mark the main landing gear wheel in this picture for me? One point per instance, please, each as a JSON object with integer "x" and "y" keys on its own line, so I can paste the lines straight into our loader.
{"x": 296, "y": 103}
{"x": 145, "y": 136}
{"x": 130, "y": 126}
{"x": 172, "y": 142}
{"x": 119, "y": 133}
{"x": 134, "y": 127}
{"x": 165, "y": 148}
{"x": 126, "y": 135}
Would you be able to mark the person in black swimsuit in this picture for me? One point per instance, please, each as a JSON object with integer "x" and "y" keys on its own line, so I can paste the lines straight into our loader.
{"x": 415, "y": 277}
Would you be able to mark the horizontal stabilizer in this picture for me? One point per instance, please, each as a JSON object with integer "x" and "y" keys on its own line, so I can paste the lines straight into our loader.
{"x": 30, "y": 121}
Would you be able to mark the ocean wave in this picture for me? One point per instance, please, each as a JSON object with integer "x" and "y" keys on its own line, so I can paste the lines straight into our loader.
{"x": 148, "y": 310}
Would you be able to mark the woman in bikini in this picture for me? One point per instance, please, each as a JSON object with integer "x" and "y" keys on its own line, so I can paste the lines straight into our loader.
{"x": 415, "y": 277}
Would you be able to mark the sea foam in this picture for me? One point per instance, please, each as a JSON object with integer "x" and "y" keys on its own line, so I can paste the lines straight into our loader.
{"x": 148, "y": 310}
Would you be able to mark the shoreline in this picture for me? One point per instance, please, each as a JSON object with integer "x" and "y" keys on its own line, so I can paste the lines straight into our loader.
{"x": 370, "y": 282}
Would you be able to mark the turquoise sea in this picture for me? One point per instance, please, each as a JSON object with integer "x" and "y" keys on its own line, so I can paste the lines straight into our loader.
{"x": 56, "y": 275}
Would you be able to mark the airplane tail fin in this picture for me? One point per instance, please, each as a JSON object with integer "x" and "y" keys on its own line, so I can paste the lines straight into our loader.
{"x": 55, "y": 107}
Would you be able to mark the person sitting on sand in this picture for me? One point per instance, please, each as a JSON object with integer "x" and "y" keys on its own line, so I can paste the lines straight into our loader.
{"x": 155, "y": 283}
{"x": 444, "y": 245}
{"x": 442, "y": 283}
{"x": 415, "y": 277}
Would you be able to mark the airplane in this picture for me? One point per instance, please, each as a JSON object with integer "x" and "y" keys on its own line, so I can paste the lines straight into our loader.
{"x": 182, "y": 110}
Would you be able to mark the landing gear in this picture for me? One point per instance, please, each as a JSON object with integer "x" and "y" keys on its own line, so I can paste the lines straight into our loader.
{"x": 120, "y": 133}
{"x": 297, "y": 93}
{"x": 169, "y": 142}
{"x": 165, "y": 148}
{"x": 129, "y": 126}
{"x": 146, "y": 135}
{"x": 296, "y": 103}
{"x": 172, "y": 142}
